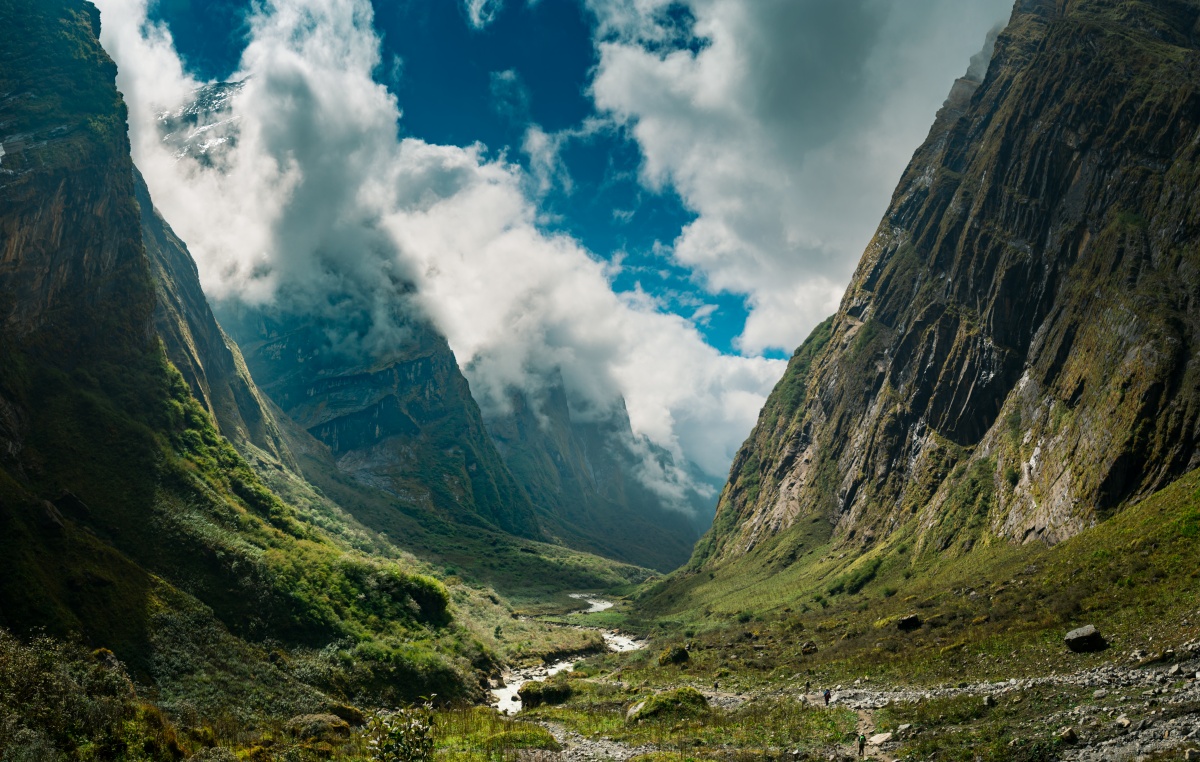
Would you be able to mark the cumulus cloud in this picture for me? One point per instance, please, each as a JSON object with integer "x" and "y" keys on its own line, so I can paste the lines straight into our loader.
{"x": 784, "y": 124}
{"x": 315, "y": 204}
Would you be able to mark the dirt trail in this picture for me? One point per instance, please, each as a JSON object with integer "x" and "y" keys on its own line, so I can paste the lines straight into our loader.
{"x": 867, "y": 727}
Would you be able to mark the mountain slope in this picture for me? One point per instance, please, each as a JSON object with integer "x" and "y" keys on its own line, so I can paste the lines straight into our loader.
{"x": 126, "y": 520}
{"x": 1015, "y": 356}
{"x": 581, "y": 477}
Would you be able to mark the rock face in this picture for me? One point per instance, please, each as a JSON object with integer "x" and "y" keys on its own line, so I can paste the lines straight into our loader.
{"x": 208, "y": 359}
{"x": 405, "y": 423}
{"x": 580, "y": 477}
{"x": 1015, "y": 355}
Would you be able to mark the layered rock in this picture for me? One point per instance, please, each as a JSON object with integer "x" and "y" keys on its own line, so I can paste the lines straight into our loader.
{"x": 405, "y": 423}
{"x": 1015, "y": 355}
{"x": 582, "y": 475}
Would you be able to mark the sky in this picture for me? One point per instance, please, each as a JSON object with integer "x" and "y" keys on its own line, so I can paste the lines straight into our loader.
{"x": 653, "y": 200}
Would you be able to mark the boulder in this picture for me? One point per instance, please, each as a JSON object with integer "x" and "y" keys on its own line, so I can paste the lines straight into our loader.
{"x": 808, "y": 648}
{"x": 989, "y": 701}
{"x": 673, "y": 655}
{"x": 1085, "y": 639}
{"x": 904, "y": 731}
{"x": 1068, "y": 735}
{"x": 879, "y": 738}
{"x": 1123, "y": 722}
{"x": 908, "y": 623}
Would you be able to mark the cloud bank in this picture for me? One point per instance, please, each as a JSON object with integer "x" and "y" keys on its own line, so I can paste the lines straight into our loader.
{"x": 308, "y": 200}
{"x": 785, "y": 125}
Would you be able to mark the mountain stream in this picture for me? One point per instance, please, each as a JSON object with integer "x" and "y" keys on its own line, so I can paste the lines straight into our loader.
{"x": 505, "y": 698}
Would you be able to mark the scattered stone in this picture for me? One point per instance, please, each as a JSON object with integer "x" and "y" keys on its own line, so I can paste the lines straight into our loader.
{"x": 213, "y": 754}
{"x": 809, "y": 648}
{"x": 904, "y": 730}
{"x": 879, "y": 738}
{"x": 989, "y": 701}
{"x": 908, "y": 623}
{"x": 1173, "y": 671}
{"x": 1099, "y": 693}
{"x": 1191, "y": 754}
{"x": 1085, "y": 639}
{"x": 1068, "y": 735}
{"x": 1123, "y": 722}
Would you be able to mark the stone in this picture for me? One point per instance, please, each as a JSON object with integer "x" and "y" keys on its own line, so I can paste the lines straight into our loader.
{"x": 1068, "y": 735}
{"x": 1099, "y": 693}
{"x": 904, "y": 730}
{"x": 1085, "y": 639}
{"x": 1191, "y": 755}
{"x": 989, "y": 701}
{"x": 1123, "y": 722}
{"x": 809, "y": 648}
{"x": 908, "y": 623}
{"x": 633, "y": 710}
{"x": 879, "y": 738}
{"x": 1173, "y": 671}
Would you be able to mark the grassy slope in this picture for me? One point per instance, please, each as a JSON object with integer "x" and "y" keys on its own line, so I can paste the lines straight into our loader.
{"x": 1000, "y": 609}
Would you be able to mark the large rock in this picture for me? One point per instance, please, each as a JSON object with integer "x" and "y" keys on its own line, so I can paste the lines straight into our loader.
{"x": 1085, "y": 639}
{"x": 909, "y": 623}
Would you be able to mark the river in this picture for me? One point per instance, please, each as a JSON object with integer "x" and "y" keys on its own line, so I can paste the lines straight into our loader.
{"x": 505, "y": 698}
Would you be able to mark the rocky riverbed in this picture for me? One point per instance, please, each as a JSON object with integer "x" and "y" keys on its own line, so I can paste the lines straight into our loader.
{"x": 504, "y": 695}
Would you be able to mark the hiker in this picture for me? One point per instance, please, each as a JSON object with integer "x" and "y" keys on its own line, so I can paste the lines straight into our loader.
{"x": 827, "y": 695}
{"x": 862, "y": 744}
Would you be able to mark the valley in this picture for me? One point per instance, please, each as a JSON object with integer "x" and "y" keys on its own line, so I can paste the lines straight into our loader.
{"x": 243, "y": 532}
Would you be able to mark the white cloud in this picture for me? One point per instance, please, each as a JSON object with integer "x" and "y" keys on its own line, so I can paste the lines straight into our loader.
{"x": 785, "y": 125}
{"x": 317, "y": 205}
{"x": 480, "y": 13}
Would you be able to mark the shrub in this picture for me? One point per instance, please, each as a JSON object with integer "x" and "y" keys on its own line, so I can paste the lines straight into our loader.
{"x": 404, "y": 736}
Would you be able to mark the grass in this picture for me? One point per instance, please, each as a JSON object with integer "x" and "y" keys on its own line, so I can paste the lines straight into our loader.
{"x": 1001, "y": 609}
{"x": 681, "y": 719}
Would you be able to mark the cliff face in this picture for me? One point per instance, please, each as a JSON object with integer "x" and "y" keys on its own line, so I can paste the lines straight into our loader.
{"x": 581, "y": 477}
{"x": 1015, "y": 356}
{"x": 406, "y": 424}
{"x": 210, "y": 362}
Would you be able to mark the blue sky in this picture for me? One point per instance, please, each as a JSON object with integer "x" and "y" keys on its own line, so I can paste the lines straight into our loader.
{"x": 532, "y": 63}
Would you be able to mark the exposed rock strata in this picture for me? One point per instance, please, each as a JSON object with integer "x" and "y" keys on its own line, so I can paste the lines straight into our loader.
{"x": 1015, "y": 355}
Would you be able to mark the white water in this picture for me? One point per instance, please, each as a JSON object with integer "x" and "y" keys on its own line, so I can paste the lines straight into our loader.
{"x": 596, "y": 604}
{"x": 505, "y": 698}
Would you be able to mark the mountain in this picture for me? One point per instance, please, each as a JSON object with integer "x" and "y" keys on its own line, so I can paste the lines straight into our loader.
{"x": 1015, "y": 357}
{"x": 128, "y": 522}
{"x": 582, "y": 477}
{"x": 404, "y": 423}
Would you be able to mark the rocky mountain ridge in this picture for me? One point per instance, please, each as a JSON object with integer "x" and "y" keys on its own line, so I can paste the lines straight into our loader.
{"x": 1015, "y": 355}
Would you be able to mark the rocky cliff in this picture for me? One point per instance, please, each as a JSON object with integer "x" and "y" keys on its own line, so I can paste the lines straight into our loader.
{"x": 1015, "y": 357}
{"x": 581, "y": 476}
{"x": 210, "y": 361}
{"x": 405, "y": 423}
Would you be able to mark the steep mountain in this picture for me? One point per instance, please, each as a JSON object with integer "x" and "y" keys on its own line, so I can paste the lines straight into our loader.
{"x": 210, "y": 361}
{"x": 126, "y": 520}
{"x": 1015, "y": 358}
{"x": 405, "y": 423}
{"x": 581, "y": 477}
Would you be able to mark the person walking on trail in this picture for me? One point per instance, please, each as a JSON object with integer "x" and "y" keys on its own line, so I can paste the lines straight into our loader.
{"x": 862, "y": 744}
{"x": 827, "y": 695}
